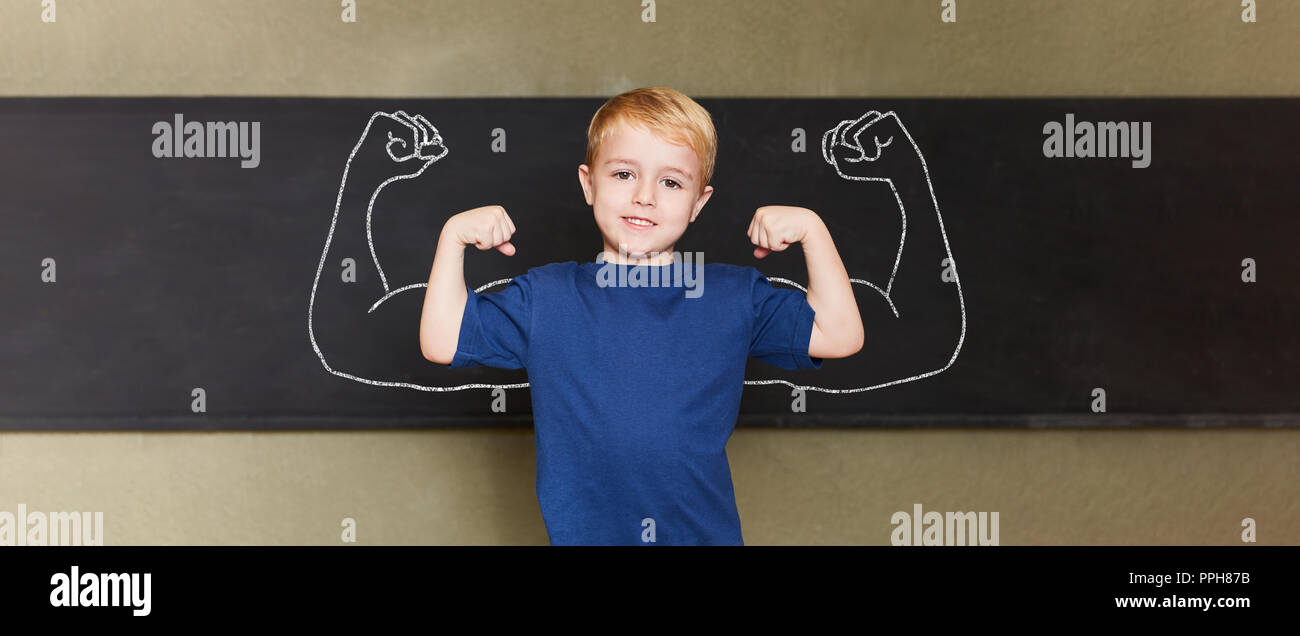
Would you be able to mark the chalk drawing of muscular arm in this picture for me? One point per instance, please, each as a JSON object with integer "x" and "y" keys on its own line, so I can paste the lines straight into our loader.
{"x": 353, "y": 303}
{"x": 922, "y": 295}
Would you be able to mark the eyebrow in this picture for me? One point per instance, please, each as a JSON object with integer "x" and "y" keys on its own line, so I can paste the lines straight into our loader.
{"x": 633, "y": 163}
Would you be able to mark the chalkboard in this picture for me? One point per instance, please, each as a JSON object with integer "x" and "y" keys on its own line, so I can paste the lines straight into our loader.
{"x": 1000, "y": 284}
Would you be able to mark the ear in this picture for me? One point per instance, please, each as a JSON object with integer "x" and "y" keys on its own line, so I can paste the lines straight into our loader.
{"x": 699, "y": 203}
{"x": 584, "y": 179}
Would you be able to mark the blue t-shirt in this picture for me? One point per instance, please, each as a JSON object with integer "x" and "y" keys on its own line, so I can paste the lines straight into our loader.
{"x": 636, "y": 390}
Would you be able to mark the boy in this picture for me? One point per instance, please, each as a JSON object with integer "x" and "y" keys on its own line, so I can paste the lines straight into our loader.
{"x": 636, "y": 389}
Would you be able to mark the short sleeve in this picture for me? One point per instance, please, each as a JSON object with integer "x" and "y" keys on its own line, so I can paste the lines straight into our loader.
{"x": 495, "y": 327}
{"x": 783, "y": 323}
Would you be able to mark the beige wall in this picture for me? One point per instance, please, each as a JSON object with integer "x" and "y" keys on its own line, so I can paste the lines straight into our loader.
{"x": 811, "y": 487}
{"x": 710, "y": 48}
{"x": 793, "y": 486}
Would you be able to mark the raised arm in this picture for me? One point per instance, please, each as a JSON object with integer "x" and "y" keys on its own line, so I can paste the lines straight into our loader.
{"x": 837, "y": 327}
{"x": 444, "y": 299}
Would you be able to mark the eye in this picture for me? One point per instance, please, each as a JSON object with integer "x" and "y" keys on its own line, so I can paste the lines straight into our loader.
{"x": 675, "y": 185}
{"x": 621, "y": 172}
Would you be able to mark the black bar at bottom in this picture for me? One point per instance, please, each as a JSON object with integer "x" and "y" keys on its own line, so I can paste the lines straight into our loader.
{"x": 1168, "y": 584}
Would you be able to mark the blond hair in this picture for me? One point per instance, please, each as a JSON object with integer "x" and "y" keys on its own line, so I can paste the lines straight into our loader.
{"x": 665, "y": 112}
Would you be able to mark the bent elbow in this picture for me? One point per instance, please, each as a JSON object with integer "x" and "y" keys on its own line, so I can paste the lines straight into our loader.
{"x": 857, "y": 344}
{"x": 853, "y": 344}
{"x": 851, "y": 348}
{"x": 433, "y": 354}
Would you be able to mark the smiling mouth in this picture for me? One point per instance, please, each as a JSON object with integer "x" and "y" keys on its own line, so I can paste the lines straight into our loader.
{"x": 638, "y": 222}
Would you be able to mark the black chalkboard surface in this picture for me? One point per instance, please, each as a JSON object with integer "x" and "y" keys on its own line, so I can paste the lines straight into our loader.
{"x": 1002, "y": 278}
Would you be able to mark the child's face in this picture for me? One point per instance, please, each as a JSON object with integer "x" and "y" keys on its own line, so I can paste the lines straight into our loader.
{"x": 637, "y": 174}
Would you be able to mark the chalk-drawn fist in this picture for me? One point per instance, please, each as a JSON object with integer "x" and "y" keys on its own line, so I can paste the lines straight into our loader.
{"x": 873, "y": 147}
{"x": 405, "y": 143}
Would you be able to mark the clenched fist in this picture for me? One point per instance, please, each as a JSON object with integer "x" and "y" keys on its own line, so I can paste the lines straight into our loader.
{"x": 486, "y": 227}
{"x": 775, "y": 227}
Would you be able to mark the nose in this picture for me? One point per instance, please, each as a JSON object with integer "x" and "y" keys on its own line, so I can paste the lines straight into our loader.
{"x": 645, "y": 193}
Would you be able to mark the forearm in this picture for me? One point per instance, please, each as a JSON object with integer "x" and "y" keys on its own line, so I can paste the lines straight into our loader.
{"x": 830, "y": 293}
{"x": 928, "y": 284}
{"x": 444, "y": 301}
